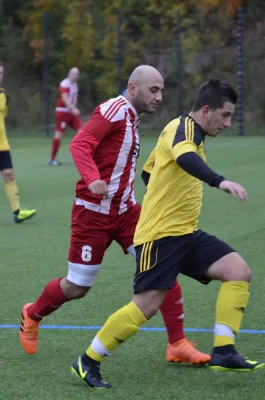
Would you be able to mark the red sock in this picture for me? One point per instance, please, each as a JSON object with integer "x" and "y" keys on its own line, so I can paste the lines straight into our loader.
{"x": 49, "y": 301}
{"x": 173, "y": 314}
{"x": 55, "y": 147}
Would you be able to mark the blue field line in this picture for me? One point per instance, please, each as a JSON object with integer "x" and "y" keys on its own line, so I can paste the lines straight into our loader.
{"x": 155, "y": 329}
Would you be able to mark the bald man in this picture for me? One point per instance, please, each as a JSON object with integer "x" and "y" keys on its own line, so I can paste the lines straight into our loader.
{"x": 66, "y": 113}
{"x": 105, "y": 152}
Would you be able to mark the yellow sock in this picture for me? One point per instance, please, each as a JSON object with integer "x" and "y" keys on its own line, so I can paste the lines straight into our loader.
{"x": 12, "y": 195}
{"x": 231, "y": 303}
{"x": 120, "y": 326}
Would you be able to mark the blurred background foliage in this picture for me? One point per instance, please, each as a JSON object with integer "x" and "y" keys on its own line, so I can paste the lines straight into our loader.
{"x": 108, "y": 39}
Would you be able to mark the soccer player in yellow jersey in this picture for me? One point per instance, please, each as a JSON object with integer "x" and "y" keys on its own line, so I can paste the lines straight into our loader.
{"x": 6, "y": 166}
{"x": 168, "y": 241}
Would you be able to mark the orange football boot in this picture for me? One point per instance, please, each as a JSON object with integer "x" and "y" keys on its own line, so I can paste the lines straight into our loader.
{"x": 184, "y": 351}
{"x": 29, "y": 330}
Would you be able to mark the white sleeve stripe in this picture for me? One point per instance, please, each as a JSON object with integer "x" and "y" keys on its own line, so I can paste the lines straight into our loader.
{"x": 116, "y": 111}
{"x": 111, "y": 106}
{"x": 113, "y": 109}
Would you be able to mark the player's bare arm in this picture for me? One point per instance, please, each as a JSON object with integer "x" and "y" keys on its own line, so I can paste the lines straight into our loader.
{"x": 68, "y": 103}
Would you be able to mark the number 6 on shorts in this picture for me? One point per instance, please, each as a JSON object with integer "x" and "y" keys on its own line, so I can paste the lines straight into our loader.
{"x": 86, "y": 253}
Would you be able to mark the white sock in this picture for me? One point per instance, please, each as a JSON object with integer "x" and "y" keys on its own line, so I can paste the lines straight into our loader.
{"x": 99, "y": 348}
{"x": 131, "y": 251}
{"x": 223, "y": 330}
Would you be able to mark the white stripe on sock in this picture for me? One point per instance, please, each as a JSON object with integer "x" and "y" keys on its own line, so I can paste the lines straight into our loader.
{"x": 223, "y": 330}
{"x": 179, "y": 301}
{"x": 99, "y": 348}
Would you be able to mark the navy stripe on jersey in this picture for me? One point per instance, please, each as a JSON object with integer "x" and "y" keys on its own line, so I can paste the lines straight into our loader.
{"x": 188, "y": 130}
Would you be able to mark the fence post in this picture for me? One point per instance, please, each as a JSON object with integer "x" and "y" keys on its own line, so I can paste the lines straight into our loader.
{"x": 240, "y": 69}
{"x": 119, "y": 54}
{"x": 45, "y": 74}
{"x": 179, "y": 65}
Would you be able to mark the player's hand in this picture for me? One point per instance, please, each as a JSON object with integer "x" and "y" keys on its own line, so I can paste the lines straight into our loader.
{"x": 75, "y": 111}
{"x": 98, "y": 187}
{"x": 235, "y": 189}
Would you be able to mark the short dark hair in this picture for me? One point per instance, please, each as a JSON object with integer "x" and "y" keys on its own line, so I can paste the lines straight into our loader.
{"x": 1, "y": 64}
{"x": 214, "y": 93}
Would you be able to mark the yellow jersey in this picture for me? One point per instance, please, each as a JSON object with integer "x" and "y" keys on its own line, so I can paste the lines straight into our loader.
{"x": 148, "y": 166}
{"x": 173, "y": 200}
{"x": 4, "y": 145}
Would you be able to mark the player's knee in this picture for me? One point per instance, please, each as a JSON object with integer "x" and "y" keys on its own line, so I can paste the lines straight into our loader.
{"x": 230, "y": 268}
{"x": 241, "y": 273}
{"x": 8, "y": 175}
{"x": 73, "y": 291}
{"x": 58, "y": 135}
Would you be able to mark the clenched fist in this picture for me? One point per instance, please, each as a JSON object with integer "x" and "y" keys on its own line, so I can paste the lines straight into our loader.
{"x": 75, "y": 111}
{"x": 98, "y": 187}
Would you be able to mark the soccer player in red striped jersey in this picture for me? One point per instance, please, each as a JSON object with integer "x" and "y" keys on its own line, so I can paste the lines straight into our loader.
{"x": 105, "y": 152}
{"x": 66, "y": 112}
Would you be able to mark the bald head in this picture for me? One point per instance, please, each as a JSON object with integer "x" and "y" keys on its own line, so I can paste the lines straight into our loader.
{"x": 143, "y": 74}
{"x": 1, "y": 72}
{"x": 145, "y": 88}
{"x": 73, "y": 74}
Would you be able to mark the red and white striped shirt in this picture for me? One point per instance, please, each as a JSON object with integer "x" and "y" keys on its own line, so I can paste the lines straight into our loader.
{"x": 107, "y": 148}
{"x": 71, "y": 88}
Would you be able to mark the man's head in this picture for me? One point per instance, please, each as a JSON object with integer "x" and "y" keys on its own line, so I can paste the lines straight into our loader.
{"x": 73, "y": 74}
{"x": 1, "y": 72}
{"x": 145, "y": 88}
{"x": 214, "y": 106}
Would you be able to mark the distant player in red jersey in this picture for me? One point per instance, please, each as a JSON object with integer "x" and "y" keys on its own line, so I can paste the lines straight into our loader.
{"x": 105, "y": 152}
{"x": 66, "y": 113}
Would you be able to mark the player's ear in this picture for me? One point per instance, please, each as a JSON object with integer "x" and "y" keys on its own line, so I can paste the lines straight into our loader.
{"x": 205, "y": 111}
{"x": 132, "y": 88}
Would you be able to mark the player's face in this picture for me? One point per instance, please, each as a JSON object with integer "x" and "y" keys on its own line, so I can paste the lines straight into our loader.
{"x": 74, "y": 75}
{"x": 219, "y": 119}
{"x": 147, "y": 96}
{"x": 1, "y": 74}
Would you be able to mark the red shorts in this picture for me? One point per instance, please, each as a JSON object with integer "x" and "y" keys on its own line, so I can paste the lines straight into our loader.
{"x": 67, "y": 119}
{"x": 92, "y": 234}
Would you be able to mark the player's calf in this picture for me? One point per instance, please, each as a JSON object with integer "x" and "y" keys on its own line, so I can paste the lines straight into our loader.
{"x": 56, "y": 143}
